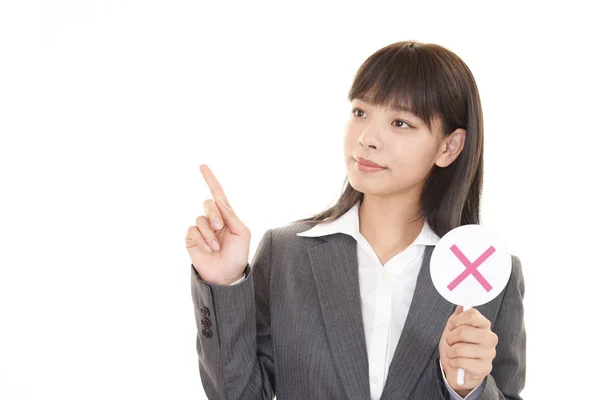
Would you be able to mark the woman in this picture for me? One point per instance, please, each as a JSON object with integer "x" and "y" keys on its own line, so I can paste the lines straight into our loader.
{"x": 341, "y": 305}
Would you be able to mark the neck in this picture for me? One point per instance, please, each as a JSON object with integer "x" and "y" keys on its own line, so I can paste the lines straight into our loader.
{"x": 391, "y": 221}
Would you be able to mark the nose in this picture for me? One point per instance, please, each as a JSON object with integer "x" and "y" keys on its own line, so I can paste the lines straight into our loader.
{"x": 370, "y": 139}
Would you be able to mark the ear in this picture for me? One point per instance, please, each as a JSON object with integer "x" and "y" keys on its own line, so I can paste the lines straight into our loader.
{"x": 451, "y": 147}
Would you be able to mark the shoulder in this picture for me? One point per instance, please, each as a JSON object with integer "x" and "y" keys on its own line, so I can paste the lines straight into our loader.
{"x": 286, "y": 238}
{"x": 288, "y": 234}
{"x": 516, "y": 275}
{"x": 283, "y": 243}
{"x": 512, "y": 295}
{"x": 515, "y": 287}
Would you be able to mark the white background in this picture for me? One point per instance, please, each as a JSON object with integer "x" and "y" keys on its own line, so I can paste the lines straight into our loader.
{"x": 107, "y": 108}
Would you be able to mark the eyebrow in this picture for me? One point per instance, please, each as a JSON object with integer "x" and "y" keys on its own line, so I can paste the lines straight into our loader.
{"x": 394, "y": 108}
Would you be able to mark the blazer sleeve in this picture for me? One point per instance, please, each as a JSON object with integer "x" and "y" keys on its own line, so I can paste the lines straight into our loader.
{"x": 233, "y": 341}
{"x": 507, "y": 379}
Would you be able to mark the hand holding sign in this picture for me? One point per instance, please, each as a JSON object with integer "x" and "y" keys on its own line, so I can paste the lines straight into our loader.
{"x": 469, "y": 267}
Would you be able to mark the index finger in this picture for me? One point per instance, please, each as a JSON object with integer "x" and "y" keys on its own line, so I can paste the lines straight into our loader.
{"x": 215, "y": 187}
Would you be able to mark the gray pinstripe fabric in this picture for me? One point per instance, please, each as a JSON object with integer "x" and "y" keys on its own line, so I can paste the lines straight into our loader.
{"x": 294, "y": 328}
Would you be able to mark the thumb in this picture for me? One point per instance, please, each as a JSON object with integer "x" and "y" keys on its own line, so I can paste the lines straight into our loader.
{"x": 231, "y": 220}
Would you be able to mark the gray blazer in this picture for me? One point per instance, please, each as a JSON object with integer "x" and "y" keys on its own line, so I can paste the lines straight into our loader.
{"x": 294, "y": 328}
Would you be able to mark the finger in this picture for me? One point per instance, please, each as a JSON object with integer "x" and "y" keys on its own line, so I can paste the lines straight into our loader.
{"x": 469, "y": 350}
{"x": 471, "y": 317}
{"x": 449, "y": 326}
{"x": 456, "y": 312}
{"x": 207, "y": 233}
{"x": 213, "y": 214}
{"x": 231, "y": 219}
{"x": 194, "y": 238}
{"x": 465, "y": 334}
{"x": 216, "y": 190}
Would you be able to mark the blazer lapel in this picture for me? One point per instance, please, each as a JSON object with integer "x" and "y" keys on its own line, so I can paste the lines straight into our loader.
{"x": 427, "y": 316}
{"x": 335, "y": 269}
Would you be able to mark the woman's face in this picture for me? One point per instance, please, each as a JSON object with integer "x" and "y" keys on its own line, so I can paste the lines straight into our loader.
{"x": 398, "y": 141}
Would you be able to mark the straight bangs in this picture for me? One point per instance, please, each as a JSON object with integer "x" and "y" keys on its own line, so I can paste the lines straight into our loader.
{"x": 402, "y": 78}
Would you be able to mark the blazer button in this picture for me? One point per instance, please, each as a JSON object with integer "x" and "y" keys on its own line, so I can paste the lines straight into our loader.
{"x": 207, "y": 332}
{"x": 205, "y": 312}
{"x": 205, "y": 322}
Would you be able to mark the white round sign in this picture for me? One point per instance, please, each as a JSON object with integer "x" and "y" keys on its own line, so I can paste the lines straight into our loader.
{"x": 470, "y": 266}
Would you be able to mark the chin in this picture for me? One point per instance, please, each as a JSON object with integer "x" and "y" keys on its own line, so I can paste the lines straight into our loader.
{"x": 375, "y": 187}
{"x": 365, "y": 185}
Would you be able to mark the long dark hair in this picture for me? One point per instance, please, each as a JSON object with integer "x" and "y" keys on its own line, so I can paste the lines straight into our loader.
{"x": 430, "y": 81}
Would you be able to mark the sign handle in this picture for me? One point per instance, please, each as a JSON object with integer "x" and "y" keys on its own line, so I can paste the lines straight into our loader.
{"x": 460, "y": 378}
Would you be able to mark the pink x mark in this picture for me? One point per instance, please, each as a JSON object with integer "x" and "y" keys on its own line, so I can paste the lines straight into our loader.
{"x": 471, "y": 268}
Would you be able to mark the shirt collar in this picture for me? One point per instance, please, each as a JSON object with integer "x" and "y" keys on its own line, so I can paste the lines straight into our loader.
{"x": 348, "y": 223}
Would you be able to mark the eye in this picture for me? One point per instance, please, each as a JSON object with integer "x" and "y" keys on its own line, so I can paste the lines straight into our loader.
{"x": 354, "y": 110}
{"x": 400, "y": 126}
{"x": 360, "y": 113}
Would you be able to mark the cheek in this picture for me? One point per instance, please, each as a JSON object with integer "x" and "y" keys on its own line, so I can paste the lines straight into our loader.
{"x": 412, "y": 160}
{"x": 350, "y": 143}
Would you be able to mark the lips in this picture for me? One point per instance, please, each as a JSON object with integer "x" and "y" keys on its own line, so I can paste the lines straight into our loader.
{"x": 368, "y": 163}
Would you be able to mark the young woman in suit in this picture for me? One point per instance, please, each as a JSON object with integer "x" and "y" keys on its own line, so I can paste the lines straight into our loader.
{"x": 341, "y": 305}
